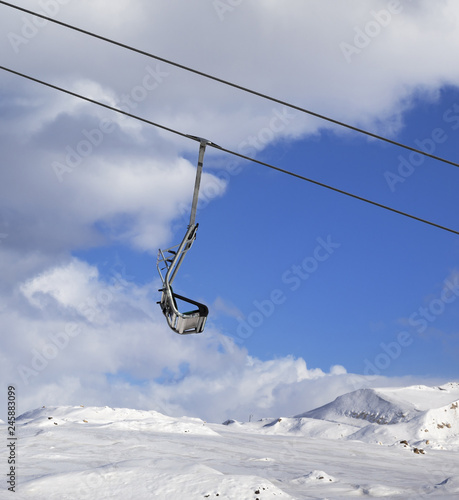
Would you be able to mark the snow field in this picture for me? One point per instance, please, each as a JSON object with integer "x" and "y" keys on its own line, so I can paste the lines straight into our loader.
{"x": 345, "y": 449}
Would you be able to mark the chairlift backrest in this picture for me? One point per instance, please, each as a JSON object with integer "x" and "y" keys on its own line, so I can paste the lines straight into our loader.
{"x": 183, "y": 323}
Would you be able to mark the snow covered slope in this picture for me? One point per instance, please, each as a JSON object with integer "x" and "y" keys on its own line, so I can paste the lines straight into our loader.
{"x": 331, "y": 452}
{"x": 420, "y": 416}
{"x": 362, "y": 407}
{"x": 117, "y": 419}
{"x": 386, "y": 406}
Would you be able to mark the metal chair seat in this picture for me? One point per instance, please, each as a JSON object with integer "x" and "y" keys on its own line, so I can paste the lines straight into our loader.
{"x": 183, "y": 323}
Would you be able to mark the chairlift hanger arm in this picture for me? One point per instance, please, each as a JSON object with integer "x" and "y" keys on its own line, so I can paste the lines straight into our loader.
{"x": 197, "y": 183}
{"x": 183, "y": 248}
{"x": 202, "y": 149}
{"x": 171, "y": 260}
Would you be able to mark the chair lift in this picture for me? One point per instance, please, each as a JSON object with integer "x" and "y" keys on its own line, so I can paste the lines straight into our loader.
{"x": 170, "y": 260}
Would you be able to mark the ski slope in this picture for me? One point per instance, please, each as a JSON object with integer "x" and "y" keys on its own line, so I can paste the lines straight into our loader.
{"x": 373, "y": 443}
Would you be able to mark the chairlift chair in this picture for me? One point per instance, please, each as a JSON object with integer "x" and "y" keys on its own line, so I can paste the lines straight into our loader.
{"x": 170, "y": 260}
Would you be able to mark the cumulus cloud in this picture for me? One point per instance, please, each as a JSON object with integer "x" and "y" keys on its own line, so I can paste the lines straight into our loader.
{"x": 297, "y": 53}
{"x": 74, "y": 338}
{"x": 75, "y": 176}
{"x": 81, "y": 167}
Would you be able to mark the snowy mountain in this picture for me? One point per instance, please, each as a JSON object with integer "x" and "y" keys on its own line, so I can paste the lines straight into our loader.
{"x": 361, "y": 444}
{"x": 423, "y": 416}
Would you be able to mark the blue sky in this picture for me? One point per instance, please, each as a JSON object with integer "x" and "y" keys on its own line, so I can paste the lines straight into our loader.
{"x": 311, "y": 293}
{"x": 382, "y": 266}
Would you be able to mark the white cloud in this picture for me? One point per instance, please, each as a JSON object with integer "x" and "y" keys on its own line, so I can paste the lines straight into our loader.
{"x": 136, "y": 173}
{"x": 296, "y": 53}
{"x": 82, "y": 340}
{"x": 126, "y": 182}
{"x": 68, "y": 285}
